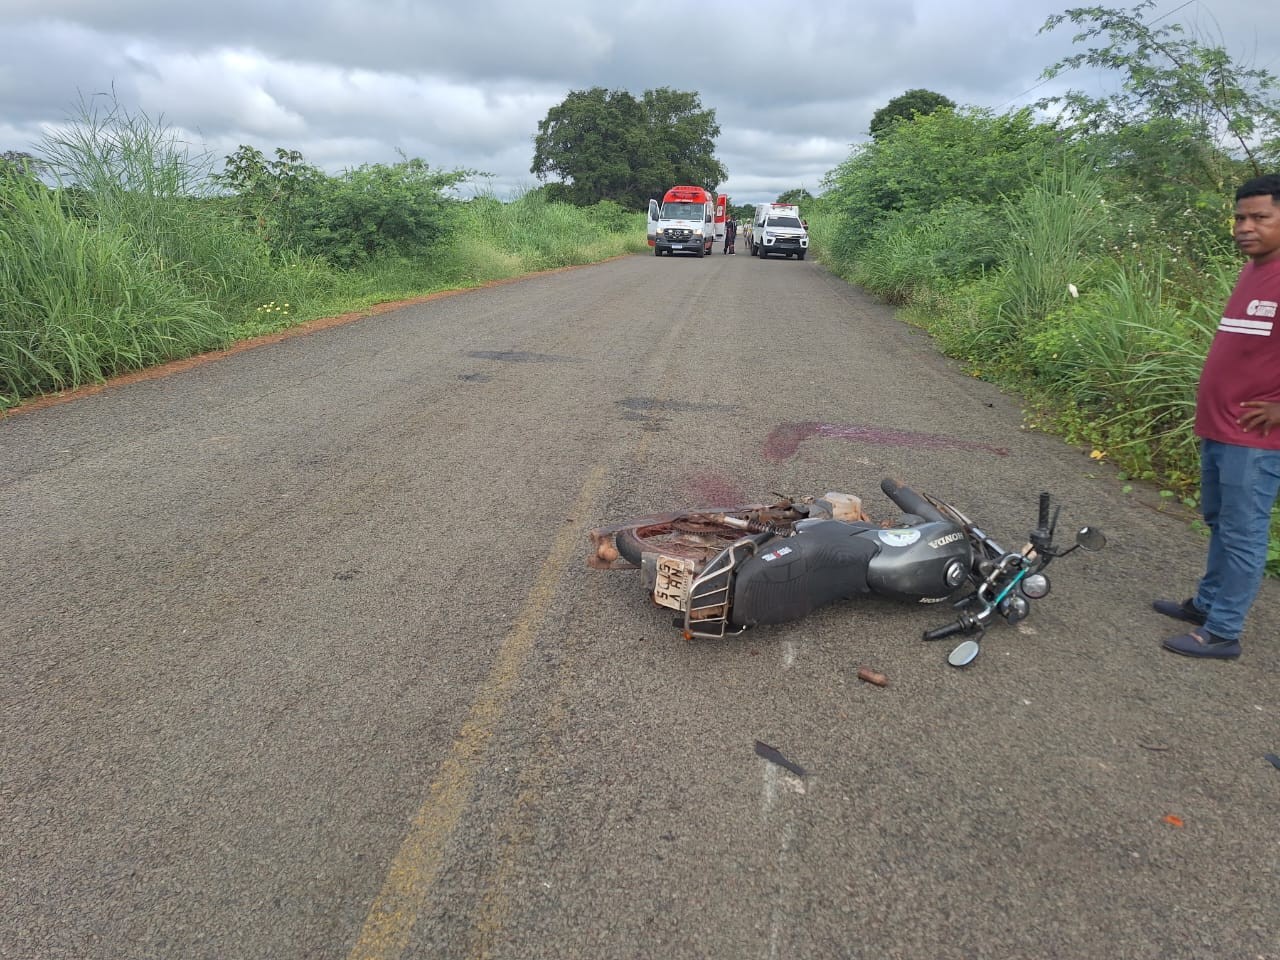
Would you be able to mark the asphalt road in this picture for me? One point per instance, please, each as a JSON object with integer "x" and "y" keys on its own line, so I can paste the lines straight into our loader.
{"x": 303, "y": 658}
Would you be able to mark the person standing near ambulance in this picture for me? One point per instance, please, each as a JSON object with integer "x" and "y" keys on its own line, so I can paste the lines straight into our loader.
{"x": 1238, "y": 422}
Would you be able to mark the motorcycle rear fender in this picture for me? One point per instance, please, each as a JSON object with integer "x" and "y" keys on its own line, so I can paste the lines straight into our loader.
{"x": 790, "y": 577}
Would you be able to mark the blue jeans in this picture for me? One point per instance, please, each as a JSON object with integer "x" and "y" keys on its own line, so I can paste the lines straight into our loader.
{"x": 1238, "y": 487}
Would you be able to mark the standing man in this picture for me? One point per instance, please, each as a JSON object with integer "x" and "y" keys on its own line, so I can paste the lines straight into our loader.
{"x": 1238, "y": 422}
{"x": 730, "y": 234}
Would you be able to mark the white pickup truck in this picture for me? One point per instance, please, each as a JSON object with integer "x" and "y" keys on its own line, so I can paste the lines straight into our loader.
{"x": 777, "y": 228}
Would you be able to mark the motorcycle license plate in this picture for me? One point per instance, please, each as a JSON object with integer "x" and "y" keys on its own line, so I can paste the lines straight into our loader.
{"x": 674, "y": 577}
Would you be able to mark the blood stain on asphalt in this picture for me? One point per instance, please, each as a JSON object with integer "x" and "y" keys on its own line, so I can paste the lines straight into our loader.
{"x": 714, "y": 490}
{"x": 785, "y": 439}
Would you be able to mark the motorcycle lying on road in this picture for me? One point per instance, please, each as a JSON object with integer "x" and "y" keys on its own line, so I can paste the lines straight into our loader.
{"x": 724, "y": 570}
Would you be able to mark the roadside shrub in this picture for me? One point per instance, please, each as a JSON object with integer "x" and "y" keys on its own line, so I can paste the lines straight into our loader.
{"x": 966, "y": 154}
{"x": 910, "y": 253}
{"x": 373, "y": 210}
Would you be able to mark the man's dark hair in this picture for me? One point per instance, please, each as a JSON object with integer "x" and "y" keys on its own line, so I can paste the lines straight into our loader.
{"x": 1261, "y": 187}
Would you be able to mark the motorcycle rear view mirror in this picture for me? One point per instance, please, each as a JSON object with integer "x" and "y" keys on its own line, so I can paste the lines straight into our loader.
{"x": 964, "y": 653}
{"x": 1091, "y": 538}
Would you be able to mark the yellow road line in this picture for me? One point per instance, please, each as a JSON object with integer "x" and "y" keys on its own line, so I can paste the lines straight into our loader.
{"x": 393, "y": 913}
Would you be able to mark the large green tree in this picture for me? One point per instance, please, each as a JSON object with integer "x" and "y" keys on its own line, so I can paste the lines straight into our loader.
{"x": 1200, "y": 103}
{"x": 1182, "y": 127}
{"x": 798, "y": 196}
{"x": 914, "y": 102}
{"x": 603, "y": 144}
{"x": 19, "y": 163}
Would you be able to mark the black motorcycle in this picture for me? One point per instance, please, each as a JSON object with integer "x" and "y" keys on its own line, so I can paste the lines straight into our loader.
{"x": 727, "y": 569}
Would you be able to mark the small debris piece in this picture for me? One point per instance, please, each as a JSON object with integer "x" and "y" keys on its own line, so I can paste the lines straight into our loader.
{"x": 1272, "y": 759}
{"x": 1154, "y": 746}
{"x": 1172, "y": 820}
{"x": 871, "y": 676}
{"x": 773, "y": 756}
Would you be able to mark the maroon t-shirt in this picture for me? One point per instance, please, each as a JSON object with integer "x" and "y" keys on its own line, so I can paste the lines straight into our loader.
{"x": 1244, "y": 360}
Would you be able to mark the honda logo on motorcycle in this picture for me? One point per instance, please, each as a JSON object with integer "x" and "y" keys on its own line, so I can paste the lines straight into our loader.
{"x": 943, "y": 541}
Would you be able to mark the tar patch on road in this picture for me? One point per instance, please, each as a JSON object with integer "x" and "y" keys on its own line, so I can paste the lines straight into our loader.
{"x": 668, "y": 406}
{"x": 644, "y": 408}
{"x": 653, "y": 405}
{"x": 785, "y": 439}
{"x": 518, "y": 356}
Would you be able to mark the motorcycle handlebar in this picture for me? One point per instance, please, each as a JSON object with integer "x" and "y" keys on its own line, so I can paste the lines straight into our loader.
{"x": 950, "y": 629}
{"x": 1044, "y": 512}
{"x": 909, "y": 500}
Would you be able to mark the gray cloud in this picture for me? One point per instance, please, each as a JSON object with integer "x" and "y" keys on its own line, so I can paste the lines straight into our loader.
{"x": 464, "y": 85}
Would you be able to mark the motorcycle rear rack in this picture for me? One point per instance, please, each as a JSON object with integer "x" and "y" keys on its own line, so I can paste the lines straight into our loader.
{"x": 711, "y": 593}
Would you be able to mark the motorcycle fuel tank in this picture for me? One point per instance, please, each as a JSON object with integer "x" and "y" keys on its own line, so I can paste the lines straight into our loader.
{"x": 928, "y": 561}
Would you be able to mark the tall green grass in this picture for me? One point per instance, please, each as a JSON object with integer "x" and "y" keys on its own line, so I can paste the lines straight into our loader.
{"x": 133, "y": 259}
{"x": 493, "y": 239}
{"x": 1123, "y": 363}
{"x": 79, "y": 301}
{"x": 488, "y": 239}
{"x": 1052, "y": 226}
{"x": 1103, "y": 331}
{"x": 132, "y": 175}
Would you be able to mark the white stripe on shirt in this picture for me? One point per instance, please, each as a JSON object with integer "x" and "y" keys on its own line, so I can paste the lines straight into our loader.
{"x": 1258, "y": 328}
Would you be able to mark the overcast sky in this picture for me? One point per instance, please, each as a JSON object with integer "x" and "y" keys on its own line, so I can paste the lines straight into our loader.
{"x": 464, "y": 83}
